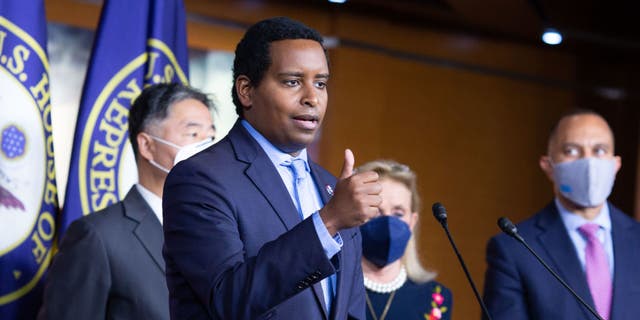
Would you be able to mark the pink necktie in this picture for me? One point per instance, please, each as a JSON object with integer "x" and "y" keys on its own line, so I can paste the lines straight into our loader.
{"x": 597, "y": 269}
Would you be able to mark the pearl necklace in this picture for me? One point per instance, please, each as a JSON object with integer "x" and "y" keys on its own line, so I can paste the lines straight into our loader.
{"x": 391, "y": 286}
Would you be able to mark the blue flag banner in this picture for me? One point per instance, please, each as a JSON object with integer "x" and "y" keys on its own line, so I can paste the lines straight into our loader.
{"x": 138, "y": 43}
{"x": 28, "y": 193}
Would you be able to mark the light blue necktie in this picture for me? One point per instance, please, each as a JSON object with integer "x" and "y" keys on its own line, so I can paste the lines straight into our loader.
{"x": 300, "y": 192}
{"x": 304, "y": 204}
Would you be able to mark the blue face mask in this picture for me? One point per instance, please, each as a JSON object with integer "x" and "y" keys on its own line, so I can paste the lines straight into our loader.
{"x": 384, "y": 239}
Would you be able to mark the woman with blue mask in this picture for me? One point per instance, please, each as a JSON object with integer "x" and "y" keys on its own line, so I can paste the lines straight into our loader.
{"x": 398, "y": 287}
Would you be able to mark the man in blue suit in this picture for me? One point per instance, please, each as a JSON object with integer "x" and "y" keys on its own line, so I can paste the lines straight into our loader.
{"x": 249, "y": 234}
{"x": 591, "y": 244}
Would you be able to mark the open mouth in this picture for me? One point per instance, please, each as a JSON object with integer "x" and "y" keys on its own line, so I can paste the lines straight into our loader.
{"x": 307, "y": 122}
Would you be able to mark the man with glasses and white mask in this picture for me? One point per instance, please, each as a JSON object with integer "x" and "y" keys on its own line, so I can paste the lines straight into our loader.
{"x": 110, "y": 263}
{"x": 591, "y": 244}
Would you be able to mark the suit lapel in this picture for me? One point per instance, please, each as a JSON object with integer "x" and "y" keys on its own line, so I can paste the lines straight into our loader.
{"x": 625, "y": 244}
{"x": 268, "y": 181}
{"x": 148, "y": 230}
{"x": 261, "y": 172}
{"x": 564, "y": 260}
{"x": 325, "y": 188}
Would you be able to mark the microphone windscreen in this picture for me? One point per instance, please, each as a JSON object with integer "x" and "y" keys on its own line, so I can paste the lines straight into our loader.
{"x": 439, "y": 212}
{"x": 507, "y": 226}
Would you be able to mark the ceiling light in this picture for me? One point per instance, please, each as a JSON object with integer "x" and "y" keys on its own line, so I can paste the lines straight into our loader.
{"x": 551, "y": 36}
{"x": 338, "y": 1}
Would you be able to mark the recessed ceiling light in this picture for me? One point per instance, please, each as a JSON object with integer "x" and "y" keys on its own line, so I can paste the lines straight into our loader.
{"x": 551, "y": 36}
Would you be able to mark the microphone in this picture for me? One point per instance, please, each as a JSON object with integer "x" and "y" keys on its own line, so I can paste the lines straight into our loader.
{"x": 510, "y": 229}
{"x": 440, "y": 213}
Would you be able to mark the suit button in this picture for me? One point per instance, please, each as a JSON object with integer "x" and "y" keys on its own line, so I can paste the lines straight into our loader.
{"x": 302, "y": 284}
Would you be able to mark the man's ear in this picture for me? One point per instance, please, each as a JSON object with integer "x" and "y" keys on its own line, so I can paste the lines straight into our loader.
{"x": 244, "y": 89}
{"x": 146, "y": 146}
{"x": 545, "y": 165}
{"x": 618, "y": 162}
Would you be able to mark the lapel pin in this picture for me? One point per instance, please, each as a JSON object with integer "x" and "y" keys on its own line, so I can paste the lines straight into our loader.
{"x": 329, "y": 190}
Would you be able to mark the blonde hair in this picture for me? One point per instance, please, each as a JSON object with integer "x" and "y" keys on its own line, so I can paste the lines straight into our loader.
{"x": 389, "y": 169}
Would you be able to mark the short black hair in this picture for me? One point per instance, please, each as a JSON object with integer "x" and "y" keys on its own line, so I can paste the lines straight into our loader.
{"x": 252, "y": 58}
{"x": 153, "y": 104}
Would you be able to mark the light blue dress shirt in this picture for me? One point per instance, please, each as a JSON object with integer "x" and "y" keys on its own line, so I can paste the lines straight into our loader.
{"x": 331, "y": 245}
{"x": 573, "y": 221}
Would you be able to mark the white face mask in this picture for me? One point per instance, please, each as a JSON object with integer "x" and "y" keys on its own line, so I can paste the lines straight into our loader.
{"x": 184, "y": 152}
{"x": 587, "y": 182}
{"x": 157, "y": 165}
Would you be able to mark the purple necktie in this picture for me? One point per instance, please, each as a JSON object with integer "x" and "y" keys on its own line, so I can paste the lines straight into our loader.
{"x": 597, "y": 269}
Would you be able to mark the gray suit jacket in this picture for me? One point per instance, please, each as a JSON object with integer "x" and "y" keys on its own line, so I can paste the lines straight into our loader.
{"x": 109, "y": 266}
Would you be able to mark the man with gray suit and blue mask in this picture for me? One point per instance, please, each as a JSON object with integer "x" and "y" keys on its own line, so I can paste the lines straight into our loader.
{"x": 591, "y": 244}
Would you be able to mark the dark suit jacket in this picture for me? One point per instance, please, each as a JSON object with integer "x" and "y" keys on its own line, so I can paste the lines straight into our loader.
{"x": 235, "y": 246}
{"x": 518, "y": 287}
{"x": 109, "y": 266}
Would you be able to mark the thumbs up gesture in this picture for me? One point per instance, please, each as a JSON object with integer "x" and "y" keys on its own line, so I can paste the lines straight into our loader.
{"x": 355, "y": 200}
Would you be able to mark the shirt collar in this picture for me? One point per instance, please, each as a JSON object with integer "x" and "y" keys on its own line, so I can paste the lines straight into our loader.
{"x": 275, "y": 155}
{"x": 573, "y": 221}
{"x": 154, "y": 202}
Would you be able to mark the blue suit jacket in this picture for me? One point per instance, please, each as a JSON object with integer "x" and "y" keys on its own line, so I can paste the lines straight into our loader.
{"x": 235, "y": 247}
{"x": 518, "y": 287}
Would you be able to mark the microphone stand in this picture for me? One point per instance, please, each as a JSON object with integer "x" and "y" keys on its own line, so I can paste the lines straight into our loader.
{"x": 440, "y": 213}
{"x": 510, "y": 229}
